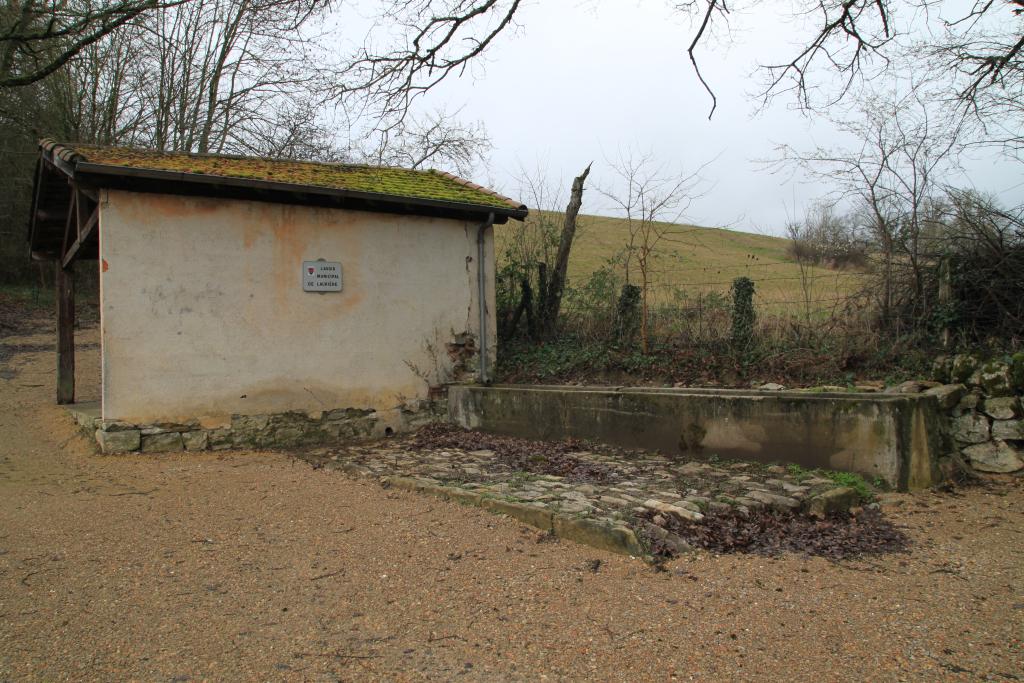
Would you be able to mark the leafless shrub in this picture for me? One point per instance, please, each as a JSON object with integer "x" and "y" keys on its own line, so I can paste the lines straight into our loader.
{"x": 825, "y": 238}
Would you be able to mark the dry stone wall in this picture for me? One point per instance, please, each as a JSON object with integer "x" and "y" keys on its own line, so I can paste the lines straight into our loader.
{"x": 983, "y": 403}
{"x": 283, "y": 430}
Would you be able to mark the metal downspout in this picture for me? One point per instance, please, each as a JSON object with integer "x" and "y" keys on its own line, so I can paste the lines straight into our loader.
{"x": 481, "y": 277}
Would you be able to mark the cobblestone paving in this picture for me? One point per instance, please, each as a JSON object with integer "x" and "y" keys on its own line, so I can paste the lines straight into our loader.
{"x": 630, "y": 485}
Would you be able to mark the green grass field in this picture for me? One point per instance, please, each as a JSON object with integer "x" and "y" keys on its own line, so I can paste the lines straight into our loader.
{"x": 693, "y": 260}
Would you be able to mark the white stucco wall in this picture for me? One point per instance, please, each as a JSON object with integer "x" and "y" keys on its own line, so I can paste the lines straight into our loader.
{"x": 203, "y": 314}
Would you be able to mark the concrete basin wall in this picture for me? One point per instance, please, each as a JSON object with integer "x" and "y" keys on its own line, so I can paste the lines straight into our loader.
{"x": 894, "y": 437}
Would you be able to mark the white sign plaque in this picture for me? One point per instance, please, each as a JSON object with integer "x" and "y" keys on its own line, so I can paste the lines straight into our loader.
{"x": 321, "y": 276}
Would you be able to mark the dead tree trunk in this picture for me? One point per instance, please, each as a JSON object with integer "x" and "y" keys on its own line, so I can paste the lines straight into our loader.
{"x": 552, "y": 296}
{"x": 528, "y": 308}
{"x": 525, "y": 306}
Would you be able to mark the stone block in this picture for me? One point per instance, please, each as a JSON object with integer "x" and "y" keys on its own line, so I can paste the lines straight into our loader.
{"x": 969, "y": 402}
{"x": 116, "y": 426}
{"x": 164, "y": 442}
{"x": 745, "y": 505}
{"x": 995, "y": 379}
{"x": 677, "y": 544}
{"x": 774, "y": 501}
{"x": 249, "y": 423}
{"x": 674, "y": 510}
{"x": 1008, "y": 429}
{"x": 177, "y": 426}
{"x": 196, "y": 441}
{"x": 284, "y": 437}
{"x": 1002, "y": 407}
{"x": 994, "y": 456}
{"x": 599, "y": 535}
{"x": 971, "y": 428}
{"x": 221, "y": 439}
{"x": 124, "y": 441}
{"x": 342, "y": 414}
{"x": 911, "y": 387}
{"x": 832, "y": 502}
{"x": 948, "y": 395}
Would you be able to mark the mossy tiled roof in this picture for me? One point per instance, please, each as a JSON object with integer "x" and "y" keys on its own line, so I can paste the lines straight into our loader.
{"x": 428, "y": 185}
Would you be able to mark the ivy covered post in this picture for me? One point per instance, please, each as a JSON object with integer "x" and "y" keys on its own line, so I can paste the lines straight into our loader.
{"x": 743, "y": 314}
{"x": 945, "y": 299}
{"x": 627, "y": 314}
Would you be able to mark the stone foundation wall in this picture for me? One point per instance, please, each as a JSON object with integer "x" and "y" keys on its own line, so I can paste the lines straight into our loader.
{"x": 283, "y": 430}
{"x": 982, "y": 403}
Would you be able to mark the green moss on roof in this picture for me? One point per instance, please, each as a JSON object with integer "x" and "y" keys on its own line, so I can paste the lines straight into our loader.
{"x": 393, "y": 182}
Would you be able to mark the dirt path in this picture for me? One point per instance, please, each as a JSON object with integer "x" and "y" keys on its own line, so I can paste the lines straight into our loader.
{"x": 253, "y": 566}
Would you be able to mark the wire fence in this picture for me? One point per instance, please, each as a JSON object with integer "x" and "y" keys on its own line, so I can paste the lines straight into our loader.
{"x": 693, "y": 305}
{"x": 810, "y": 291}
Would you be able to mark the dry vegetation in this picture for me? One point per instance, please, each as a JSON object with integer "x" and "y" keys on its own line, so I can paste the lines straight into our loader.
{"x": 696, "y": 260}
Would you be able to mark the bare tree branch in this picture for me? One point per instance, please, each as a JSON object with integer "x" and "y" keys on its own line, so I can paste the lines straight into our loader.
{"x": 442, "y": 38}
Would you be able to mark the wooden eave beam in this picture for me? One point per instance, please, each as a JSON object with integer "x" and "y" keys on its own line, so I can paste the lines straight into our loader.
{"x": 68, "y": 221}
{"x": 61, "y": 165}
{"x": 37, "y": 189}
{"x": 84, "y": 233}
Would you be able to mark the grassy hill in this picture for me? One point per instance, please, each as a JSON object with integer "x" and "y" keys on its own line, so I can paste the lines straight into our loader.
{"x": 692, "y": 260}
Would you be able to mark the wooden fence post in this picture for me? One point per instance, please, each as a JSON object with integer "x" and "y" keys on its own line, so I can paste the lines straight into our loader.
{"x": 65, "y": 290}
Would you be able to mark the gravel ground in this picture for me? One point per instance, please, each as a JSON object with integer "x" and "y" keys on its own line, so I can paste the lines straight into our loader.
{"x": 255, "y": 566}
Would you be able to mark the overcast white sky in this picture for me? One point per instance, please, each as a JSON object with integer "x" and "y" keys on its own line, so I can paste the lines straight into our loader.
{"x": 582, "y": 79}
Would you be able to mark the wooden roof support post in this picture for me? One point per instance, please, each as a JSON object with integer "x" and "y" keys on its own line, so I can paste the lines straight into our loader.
{"x": 65, "y": 333}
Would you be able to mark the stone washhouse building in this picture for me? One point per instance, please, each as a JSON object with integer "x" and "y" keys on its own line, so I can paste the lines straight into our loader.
{"x": 254, "y": 302}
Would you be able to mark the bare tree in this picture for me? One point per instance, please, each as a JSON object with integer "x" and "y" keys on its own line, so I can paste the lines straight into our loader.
{"x": 981, "y": 56}
{"x": 984, "y": 47}
{"x": 551, "y": 301}
{"x": 892, "y": 177}
{"x": 978, "y": 261}
{"x": 103, "y": 91}
{"x": 535, "y": 240}
{"x": 238, "y": 76}
{"x": 428, "y": 41}
{"x": 977, "y": 56}
{"x": 529, "y": 247}
{"x": 652, "y": 199}
{"x": 535, "y": 275}
{"x": 824, "y": 238}
{"x": 216, "y": 72}
{"x": 38, "y": 37}
{"x": 435, "y": 139}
